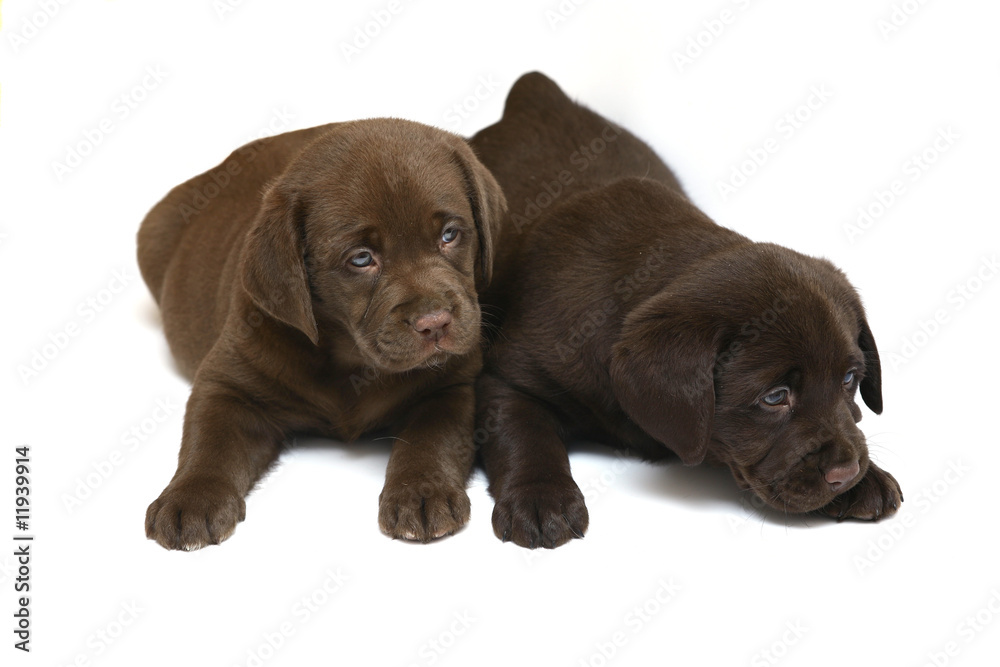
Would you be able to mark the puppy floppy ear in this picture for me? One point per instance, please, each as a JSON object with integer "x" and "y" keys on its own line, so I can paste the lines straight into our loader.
{"x": 273, "y": 263}
{"x": 488, "y": 208}
{"x": 871, "y": 384}
{"x": 663, "y": 374}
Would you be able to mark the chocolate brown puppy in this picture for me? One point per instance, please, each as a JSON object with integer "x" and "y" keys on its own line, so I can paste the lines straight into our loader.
{"x": 629, "y": 317}
{"x": 325, "y": 281}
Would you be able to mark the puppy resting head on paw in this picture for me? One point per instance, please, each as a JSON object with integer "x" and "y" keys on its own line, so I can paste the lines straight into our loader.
{"x": 764, "y": 383}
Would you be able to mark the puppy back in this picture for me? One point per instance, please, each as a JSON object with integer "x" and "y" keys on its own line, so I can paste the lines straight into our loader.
{"x": 208, "y": 205}
{"x": 543, "y": 133}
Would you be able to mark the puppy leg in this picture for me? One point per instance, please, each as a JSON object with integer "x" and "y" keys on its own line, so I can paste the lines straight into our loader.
{"x": 537, "y": 501}
{"x": 225, "y": 449}
{"x": 424, "y": 495}
{"x": 875, "y": 497}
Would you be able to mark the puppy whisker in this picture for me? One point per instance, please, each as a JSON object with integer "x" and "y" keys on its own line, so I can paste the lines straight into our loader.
{"x": 391, "y": 437}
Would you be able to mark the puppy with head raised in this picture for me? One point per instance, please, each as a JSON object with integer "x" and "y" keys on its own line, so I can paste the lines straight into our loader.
{"x": 630, "y": 317}
{"x": 325, "y": 281}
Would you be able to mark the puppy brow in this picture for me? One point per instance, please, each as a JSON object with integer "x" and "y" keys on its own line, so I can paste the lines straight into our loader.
{"x": 788, "y": 377}
{"x": 444, "y": 214}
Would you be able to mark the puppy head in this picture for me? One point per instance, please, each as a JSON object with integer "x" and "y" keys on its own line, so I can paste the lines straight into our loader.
{"x": 382, "y": 229}
{"x": 754, "y": 361}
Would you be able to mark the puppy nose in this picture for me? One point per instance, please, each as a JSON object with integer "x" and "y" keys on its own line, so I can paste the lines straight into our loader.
{"x": 838, "y": 476}
{"x": 433, "y": 326}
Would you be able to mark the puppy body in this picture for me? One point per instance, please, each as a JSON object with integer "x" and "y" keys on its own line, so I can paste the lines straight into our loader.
{"x": 631, "y": 318}
{"x": 324, "y": 281}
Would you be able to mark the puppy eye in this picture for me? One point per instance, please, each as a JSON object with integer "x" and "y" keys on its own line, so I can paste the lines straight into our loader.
{"x": 449, "y": 235}
{"x": 776, "y": 398}
{"x": 849, "y": 378}
{"x": 361, "y": 259}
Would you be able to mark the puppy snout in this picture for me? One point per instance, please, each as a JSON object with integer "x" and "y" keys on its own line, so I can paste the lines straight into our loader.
{"x": 433, "y": 326}
{"x": 838, "y": 476}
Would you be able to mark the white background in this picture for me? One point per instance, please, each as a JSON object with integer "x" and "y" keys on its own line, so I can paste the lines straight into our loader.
{"x": 809, "y": 592}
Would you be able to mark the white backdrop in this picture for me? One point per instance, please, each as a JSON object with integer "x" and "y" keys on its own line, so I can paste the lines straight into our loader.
{"x": 865, "y": 132}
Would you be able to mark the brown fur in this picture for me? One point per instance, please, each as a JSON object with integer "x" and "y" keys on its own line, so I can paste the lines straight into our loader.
{"x": 630, "y": 317}
{"x": 250, "y": 264}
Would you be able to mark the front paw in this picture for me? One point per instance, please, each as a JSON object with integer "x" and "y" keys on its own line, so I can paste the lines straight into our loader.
{"x": 193, "y": 513}
{"x": 422, "y": 510}
{"x": 875, "y": 497}
{"x": 547, "y": 514}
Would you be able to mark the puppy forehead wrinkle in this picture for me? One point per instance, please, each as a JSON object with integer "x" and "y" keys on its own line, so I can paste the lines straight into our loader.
{"x": 398, "y": 207}
{"x": 809, "y": 339}
{"x": 390, "y": 157}
{"x": 811, "y": 342}
{"x": 406, "y": 195}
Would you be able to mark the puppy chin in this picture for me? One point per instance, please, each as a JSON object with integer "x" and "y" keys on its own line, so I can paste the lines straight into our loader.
{"x": 396, "y": 358}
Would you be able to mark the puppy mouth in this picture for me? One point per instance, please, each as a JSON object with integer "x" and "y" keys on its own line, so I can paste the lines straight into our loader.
{"x": 801, "y": 490}
{"x": 393, "y": 361}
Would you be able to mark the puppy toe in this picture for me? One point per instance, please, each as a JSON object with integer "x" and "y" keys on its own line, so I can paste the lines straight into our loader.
{"x": 194, "y": 513}
{"x": 422, "y": 512}
{"x": 541, "y": 514}
{"x": 876, "y": 496}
